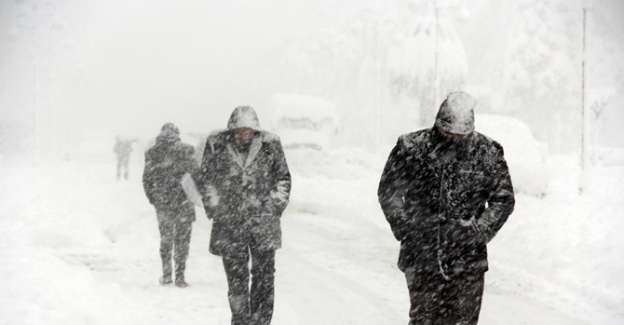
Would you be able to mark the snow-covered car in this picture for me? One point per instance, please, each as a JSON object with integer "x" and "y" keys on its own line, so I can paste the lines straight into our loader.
{"x": 525, "y": 155}
{"x": 303, "y": 121}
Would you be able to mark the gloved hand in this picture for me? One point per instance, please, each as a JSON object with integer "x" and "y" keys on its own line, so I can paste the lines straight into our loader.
{"x": 401, "y": 227}
{"x": 210, "y": 201}
{"x": 475, "y": 225}
{"x": 267, "y": 207}
{"x": 209, "y": 211}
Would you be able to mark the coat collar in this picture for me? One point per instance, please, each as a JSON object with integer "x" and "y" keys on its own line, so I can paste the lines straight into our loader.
{"x": 254, "y": 148}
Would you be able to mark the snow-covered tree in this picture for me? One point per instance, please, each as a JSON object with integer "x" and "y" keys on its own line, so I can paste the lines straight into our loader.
{"x": 346, "y": 64}
{"x": 428, "y": 62}
{"x": 542, "y": 78}
{"x": 604, "y": 71}
{"x": 386, "y": 70}
{"x": 39, "y": 30}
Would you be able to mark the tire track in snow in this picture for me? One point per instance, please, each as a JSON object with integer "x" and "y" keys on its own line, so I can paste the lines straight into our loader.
{"x": 319, "y": 289}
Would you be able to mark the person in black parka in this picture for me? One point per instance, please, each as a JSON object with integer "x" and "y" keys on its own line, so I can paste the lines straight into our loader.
{"x": 446, "y": 192}
{"x": 165, "y": 164}
{"x": 245, "y": 185}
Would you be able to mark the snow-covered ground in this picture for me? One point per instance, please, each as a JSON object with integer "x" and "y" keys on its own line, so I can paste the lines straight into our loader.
{"x": 79, "y": 247}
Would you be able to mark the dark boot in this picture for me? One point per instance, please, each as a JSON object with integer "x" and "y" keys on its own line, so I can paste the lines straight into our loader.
{"x": 179, "y": 282}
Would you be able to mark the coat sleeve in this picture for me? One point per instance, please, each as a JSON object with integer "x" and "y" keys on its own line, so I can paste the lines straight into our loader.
{"x": 149, "y": 181}
{"x": 501, "y": 200}
{"x": 391, "y": 191}
{"x": 190, "y": 166}
{"x": 279, "y": 195}
{"x": 203, "y": 177}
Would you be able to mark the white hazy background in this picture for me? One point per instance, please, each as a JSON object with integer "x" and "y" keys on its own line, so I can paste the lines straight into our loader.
{"x": 126, "y": 67}
{"x": 74, "y": 72}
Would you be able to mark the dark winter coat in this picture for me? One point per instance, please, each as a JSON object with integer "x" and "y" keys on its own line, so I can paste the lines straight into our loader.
{"x": 445, "y": 200}
{"x": 165, "y": 164}
{"x": 245, "y": 190}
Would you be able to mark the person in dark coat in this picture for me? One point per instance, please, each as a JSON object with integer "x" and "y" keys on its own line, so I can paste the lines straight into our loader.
{"x": 122, "y": 149}
{"x": 245, "y": 185}
{"x": 446, "y": 192}
{"x": 165, "y": 165}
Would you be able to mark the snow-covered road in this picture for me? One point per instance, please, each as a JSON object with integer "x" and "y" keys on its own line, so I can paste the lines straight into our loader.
{"x": 79, "y": 247}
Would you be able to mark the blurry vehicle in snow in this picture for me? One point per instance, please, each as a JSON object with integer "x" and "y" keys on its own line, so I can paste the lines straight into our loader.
{"x": 525, "y": 155}
{"x": 303, "y": 121}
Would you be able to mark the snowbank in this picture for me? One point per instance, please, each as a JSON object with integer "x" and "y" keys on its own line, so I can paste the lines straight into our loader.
{"x": 571, "y": 239}
{"x": 50, "y": 234}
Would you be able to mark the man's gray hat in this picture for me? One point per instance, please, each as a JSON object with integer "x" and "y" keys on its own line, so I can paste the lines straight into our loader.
{"x": 456, "y": 114}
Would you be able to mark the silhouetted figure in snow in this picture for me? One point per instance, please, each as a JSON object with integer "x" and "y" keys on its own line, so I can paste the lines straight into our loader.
{"x": 446, "y": 192}
{"x": 165, "y": 165}
{"x": 245, "y": 184}
{"x": 123, "y": 149}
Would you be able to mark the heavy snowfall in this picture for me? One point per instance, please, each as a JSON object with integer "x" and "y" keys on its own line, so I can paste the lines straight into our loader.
{"x": 339, "y": 82}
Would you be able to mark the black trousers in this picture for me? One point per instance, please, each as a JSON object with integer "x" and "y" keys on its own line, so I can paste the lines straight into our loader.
{"x": 250, "y": 305}
{"x": 175, "y": 238}
{"x": 437, "y": 301}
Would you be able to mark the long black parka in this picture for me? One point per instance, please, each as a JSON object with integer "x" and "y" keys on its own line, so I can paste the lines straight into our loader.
{"x": 445, "y": 200}
{"x": 165, "y": 164}
{"x": 244, "y": 193}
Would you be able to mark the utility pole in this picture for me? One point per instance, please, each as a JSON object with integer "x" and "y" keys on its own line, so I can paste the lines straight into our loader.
{"x": 378, "y": 126}
{"x": 436, "y": 80}
{"x": 585, "y": 177}
{"x": 583, "y": 124}
{"x": 35, "y": 112}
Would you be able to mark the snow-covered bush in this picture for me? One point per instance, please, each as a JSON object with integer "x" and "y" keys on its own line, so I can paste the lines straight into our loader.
{"x": 526, "y": 156}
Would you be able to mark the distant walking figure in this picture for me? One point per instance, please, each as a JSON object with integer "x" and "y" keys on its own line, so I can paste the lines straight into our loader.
{"x": 245, "y": 184}
{"x": 123, "y": 149}
{"x": 446, "y": 192}
{"x": 166, "y": 163}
